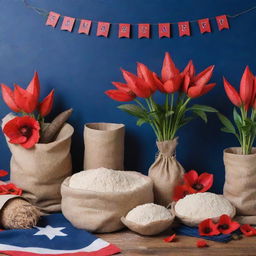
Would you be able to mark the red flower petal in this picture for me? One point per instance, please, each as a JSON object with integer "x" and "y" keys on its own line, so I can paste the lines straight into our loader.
{"x": 3, "y": 173}
{"x": 158, "y": 83}
{"x": 170, "y": 238}
{"x": 232, "y": 93}
{"x": 189, "y": 69}
{"x": 246, "y": 87}
{"x": 180, "y": 192}
{"x": 206, "y": 180}
{"x": 34, "y": 86}
{"x": 208, "y": 88}
{"x": 208, "y": 228}
{"x": 201, "y": 244}
{"x": 248, "y": 230}
{"x": 147, "y": 75}
{"x": 8, "y": 97}
{"x": 119, "y": 95}
{"x": 123, "y": 88}
{"x": 226, "y": 225}
{"x": 169, "y": 69}
{"x": 190, "y": 178}
{"x": 10, "y": 188}
{"x": 136, "y": 84}
{"x": 45, "y": 106}
{"x": 172, "y": 85}
{"x": 204, "y": 77}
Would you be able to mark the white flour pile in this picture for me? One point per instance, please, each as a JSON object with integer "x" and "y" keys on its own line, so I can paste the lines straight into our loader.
{"x": 106, "y": 180}
{"x": 203, "y": 206}
{"x": 147, "y": 213}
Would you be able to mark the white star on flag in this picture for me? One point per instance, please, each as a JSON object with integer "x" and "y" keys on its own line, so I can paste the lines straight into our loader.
{"x": 50, "y": 232}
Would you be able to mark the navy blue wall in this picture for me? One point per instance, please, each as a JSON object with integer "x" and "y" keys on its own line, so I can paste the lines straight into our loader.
{"x": 81, "y": 68}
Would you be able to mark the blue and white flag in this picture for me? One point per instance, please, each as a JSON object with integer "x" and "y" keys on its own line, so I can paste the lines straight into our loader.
{"x": 53, "y": 236}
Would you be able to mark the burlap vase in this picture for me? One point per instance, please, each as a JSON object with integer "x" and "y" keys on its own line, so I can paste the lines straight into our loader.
{"x": 104, "y": 146}
{"x": 166, "y": 172}
{"x": 39, "y": 171}
{"x": 240, "y": 183}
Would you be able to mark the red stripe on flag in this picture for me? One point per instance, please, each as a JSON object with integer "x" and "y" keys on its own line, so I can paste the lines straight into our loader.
{"x": 52, "y": 19}
{"x": 164, "y": 30}
{"x": 144, "y": 30}
{"x": 124, "y": 30}
{"x": 85, "y": 26}
{"x": 68, "y": 24}
{"x": 204, "y": 25}
{"x": 103, "y": 29}
{"x": 184, "y": 28}
{"x": 109, "y": 250}
{"x": 222, "y": 22}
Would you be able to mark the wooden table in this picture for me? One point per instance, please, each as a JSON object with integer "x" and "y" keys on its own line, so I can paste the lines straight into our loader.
{"x": 136, "y": 245}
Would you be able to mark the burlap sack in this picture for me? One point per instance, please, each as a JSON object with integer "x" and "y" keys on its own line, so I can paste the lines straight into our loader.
{"x": 150, "y": 229}
{"x": 240, "y": 183}
{"x": 101, "y": 212}
{"x": 104, "y": 146}
{"x": 39, "y": 171}
{"x": 166, "y": 172}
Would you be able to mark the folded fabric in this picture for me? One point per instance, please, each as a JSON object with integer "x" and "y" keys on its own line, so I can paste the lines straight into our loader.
{"x": 189, "y": 231}
{"x": 54, "y": 235}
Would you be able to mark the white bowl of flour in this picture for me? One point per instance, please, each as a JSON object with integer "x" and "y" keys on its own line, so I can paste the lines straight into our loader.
{"x": 195, "y": 208}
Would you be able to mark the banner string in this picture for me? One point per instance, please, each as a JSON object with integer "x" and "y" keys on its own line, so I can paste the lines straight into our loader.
{"x": 44, "y": 12}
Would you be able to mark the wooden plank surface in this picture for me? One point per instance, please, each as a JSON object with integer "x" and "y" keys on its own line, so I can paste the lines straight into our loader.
{"x": 136, "y": 245}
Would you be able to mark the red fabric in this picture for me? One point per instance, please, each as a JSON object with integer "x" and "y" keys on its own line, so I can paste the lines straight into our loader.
{"x": 204, "y": 25}
{"x": 222, "y": 22}
{"x": 144, "y": 31}
{"x": 124, "y": 30}
{"x": 68, "y": 23}
{"x": 52, "y": 19}
{"x": 164, "y": 30}
{"x": 85, "y": 26}
{"x": 184, "y": 28}
{"x": 103, "y": 29}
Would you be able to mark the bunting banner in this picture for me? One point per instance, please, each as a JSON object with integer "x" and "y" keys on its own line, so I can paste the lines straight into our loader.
{"x": 165, "y": 30}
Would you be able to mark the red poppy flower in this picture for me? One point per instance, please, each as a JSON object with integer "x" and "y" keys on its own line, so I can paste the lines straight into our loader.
{"x": 3, "y": 173}
{"x": 208, "y": 228}
{"x": 23, "y": 130}
{"x": 201, "y": 244}
{"x": 226, "y": 225}
{"x": 181, "y": 191}
{"x": 248, "y": 230}
{"x": 197, "y": 183}
{"x": 45, "y": 106}
{"x": 170, "y": 238}
{"x": 10, "y": 188}
{"x": 196, "y": 85}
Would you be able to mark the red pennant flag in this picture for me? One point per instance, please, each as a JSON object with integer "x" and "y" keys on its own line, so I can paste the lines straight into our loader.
{"x": 68, "y": 24}
{"x": 222, "y": 22}
{"x": 184, "y": 29}
{"x": 52, "y": 19}
{"x": 85, "y": 26}
{"x": 204, "y": 25}
{"x": 124, "y": 30}
{"x": 164, "y": 30}
{"x": 144, "y": 30}
{"x": 103, "y": 29}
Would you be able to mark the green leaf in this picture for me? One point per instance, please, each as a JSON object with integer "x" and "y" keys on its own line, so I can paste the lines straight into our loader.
{"x": 203, "y": 108}
{"x": 237, "y": 119}
{"x": 228, "y": 125}
{"x": 201, "y": 114}
{"x": 141, "y": 121}
{"x": 169, "y": 113}
{"x": 185, "y": 121}
{"x": 133, "y": 110}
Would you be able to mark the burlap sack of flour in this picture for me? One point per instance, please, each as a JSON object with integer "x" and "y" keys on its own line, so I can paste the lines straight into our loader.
{"x": 240, "y": 183}
{"x": 166, "y": 172}
{"x": 101, "y": 212}
{"x": 39, "y": 171}
{"x": 104, "y": 146}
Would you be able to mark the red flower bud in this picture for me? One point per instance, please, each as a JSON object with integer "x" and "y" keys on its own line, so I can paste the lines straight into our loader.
{"x": 45, "y": 106}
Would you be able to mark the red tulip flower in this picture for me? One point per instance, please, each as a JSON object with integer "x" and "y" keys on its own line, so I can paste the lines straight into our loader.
{"x": 23, "y": 130}
{"x": 196, "y": 85}
{"x": 197, "y": 183}
{"x": 45, "y": 106}
{"x": 226, "y": 225}
{"x": 208, "y": 228}
{"x": 137, "y": 85}
{"x": 246, "y": 96}
{"x": 3, "y": 173}
{"x": 248, "y": 230}
{"x": 119, "y": 95}
{"x": 8, "y": 97}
